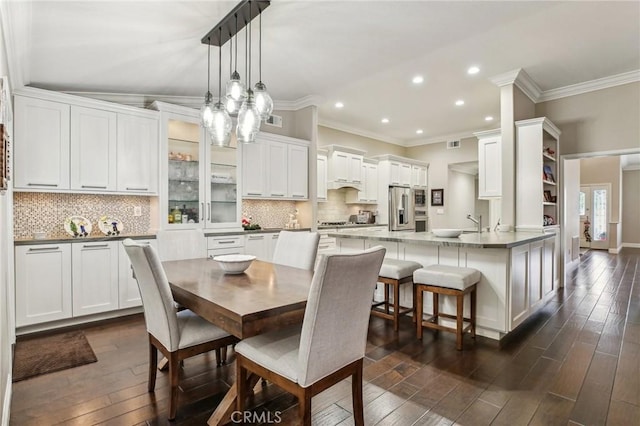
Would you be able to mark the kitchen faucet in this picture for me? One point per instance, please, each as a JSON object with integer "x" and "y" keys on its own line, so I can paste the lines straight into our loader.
{"x": 477, "y": 221}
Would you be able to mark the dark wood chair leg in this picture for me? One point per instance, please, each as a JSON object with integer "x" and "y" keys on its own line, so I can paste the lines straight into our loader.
{"x": 419, "y": 310}
{"x": 218, "y": 358}
{"x": 174, "y": 369}
{"x": 459, "y": 316}
{"x": 396, "y": 305}
{"x": 223, "y": 352}
{"x": 153, "y": 365}
{"x": 241, "y": 385}
{"x": 304, "y": 409}
{"x": 386, "y": 298}
{"x": 473, "y": 313}
{"x": 436, "y": 306}
{"x": 356, "y": 391}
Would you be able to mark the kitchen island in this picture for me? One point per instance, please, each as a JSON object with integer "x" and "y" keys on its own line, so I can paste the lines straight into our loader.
{"x": 519, "y": 269}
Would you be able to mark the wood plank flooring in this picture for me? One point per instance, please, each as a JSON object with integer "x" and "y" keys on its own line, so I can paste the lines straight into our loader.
{"x": 576, "y": 362}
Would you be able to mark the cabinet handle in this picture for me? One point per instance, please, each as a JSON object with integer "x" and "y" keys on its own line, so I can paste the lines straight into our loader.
{"x": 202, "y": 212}
{"x": 297, "y": 195}
{"x": 208, "y": 211}
{"x": 254, "y": 193}
{"x": 53, "y": 185}
{"x": 277, "y": 195}
{"x": 129, "y": 188}
{"x": 341, "y": 180}
{"x": 357, "y": 181}
{"x": 44, "y": 248}
{"x": 95, "y": 246}
{"x": 227, "y": 242}
{"x": 94, "y": 187}
{"x": 253, "y": 237}
{"x": 324, "y": 246}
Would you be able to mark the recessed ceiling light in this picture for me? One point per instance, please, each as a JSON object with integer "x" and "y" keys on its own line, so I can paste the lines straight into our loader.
{"x": 419, "y": 131}
{"x": 417, "y": 79}
{"x": 488, "y": 118}
{"x": 473, "y": 70}
{"x": 339, "y": 105}
{"x": 385, "y": 120}
{"x": 459, "y": 102}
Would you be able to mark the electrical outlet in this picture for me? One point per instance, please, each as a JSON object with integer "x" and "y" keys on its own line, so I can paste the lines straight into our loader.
{"x": 137, "y": 211}
{"x": 440, "y": 211}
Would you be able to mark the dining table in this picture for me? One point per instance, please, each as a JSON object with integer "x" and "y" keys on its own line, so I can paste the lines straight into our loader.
{"x": 265, "y": 297}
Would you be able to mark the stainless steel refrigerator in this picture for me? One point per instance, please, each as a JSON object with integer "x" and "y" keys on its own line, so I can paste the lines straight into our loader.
{"x": 401, "y": 208}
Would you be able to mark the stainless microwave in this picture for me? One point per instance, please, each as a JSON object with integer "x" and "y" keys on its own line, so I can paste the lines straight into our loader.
{"x": 420, "y": 196}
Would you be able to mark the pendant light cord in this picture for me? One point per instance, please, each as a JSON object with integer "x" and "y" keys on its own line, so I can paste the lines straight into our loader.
{"x": 220, "y": 69}
{"x": 236, "y": 62}
{"x": 260, "y": 46}
{"x": 246, "y": 51}
{"x": 208, "y": 64}
{"x": 249, "y": 42}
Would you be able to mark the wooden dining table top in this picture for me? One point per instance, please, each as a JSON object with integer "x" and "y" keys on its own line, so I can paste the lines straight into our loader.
{"x": 265, "y": 297}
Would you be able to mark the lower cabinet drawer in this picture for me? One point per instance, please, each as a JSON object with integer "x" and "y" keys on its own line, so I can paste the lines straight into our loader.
{"x": 225, "y": 242}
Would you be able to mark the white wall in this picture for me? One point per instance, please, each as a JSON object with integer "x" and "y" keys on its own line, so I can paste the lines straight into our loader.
{"x": 631, "y": 207}
{"x": 570, "y": 198}
{"x": 461, "y": 201}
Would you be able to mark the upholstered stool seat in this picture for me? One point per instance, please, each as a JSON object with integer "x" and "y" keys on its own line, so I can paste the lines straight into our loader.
{"x": 394, "y": 272}
{"x": 447, "y": 280}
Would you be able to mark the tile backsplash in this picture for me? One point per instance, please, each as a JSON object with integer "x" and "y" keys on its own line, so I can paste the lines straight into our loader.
{"x": 39, "y": 211}
{"x": 269, "y": 214}
{"x": 336, "y": 209}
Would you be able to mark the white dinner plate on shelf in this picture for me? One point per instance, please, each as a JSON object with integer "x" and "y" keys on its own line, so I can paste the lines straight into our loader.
{"x": 110, "y": 225}
{"x": 77, "y": 226}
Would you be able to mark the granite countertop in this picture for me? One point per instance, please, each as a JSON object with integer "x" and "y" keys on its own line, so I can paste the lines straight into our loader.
{"x": 351, "y": 225}
{"x": 473, "y": 240}
{"x": 89, "y": 239}
{"x": 255, "y": 231}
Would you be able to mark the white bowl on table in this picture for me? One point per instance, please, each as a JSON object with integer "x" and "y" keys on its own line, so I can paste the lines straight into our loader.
{"x": 447, "y": 233}
{"x": 234, "y": 263}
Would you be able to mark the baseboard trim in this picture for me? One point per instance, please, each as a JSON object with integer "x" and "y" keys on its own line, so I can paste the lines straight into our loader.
{"x": 6, "y": 404}
{"x": 631, "y": 245}
{"x": 615, "y": 250}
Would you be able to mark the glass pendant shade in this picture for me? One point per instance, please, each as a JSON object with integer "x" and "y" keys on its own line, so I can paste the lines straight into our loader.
{"x": 235, "y": 88}
{"x": 232, "y": 106}
{"x": 248, "y": 120}
{"x": 220, "y": 131}
{"x": 264, "y": 103}
{"x": 206, "y": 112}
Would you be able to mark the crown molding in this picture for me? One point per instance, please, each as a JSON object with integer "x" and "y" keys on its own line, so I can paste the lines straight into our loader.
{"x": 521, "y": 80}
{"x": 305, "y": 101}
{"x": 631, "y": 167}
{"x": 365, "y": 133}
{"x": 439, "y": 139}
{"x": 590, "y": 86}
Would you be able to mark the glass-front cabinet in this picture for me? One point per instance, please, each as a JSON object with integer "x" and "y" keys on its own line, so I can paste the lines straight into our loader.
{"x": 199, "y": 182}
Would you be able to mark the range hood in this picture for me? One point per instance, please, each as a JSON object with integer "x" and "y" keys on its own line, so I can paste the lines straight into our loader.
{"x": 337, "y": 184}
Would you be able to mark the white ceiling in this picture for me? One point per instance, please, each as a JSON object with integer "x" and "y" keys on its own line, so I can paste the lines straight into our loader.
{"x": 361, "y": 53}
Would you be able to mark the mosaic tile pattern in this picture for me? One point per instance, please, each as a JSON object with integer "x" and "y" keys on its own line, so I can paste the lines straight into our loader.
{"x": 335, "y": 208}
{"x": 39, "y": 211}
{"x": 268, "y": 214}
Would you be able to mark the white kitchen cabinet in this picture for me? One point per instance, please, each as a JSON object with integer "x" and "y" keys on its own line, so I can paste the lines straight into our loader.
{"x": 95, "y": 277}
{"x": 128, "y": 291}
{"x": 536, "y": 277}
{"x": 405, "y": 174}
{"x": 368, "y": 192}
{"x": 489, "y": 164}
{"x": 418, "y": 176}
{"x": 137, "y": 154}
{"x": 322, "y": 177}
{"x": 93, "y": 149}
{"x": 228, "y": 244}
{"x": 276, "y": 167}
{"x": 537, "y": 177}
{"x": 43, "y": 283}
{"x": 257, "y": 245}
{"x": 200, "y": 181}
{"x": 519, "y": 297}
{"x": 400, "y": 174}
{"x": 345, "y": 167}
{"x": 298, "y": 171}
{"x": 41, "y": 148}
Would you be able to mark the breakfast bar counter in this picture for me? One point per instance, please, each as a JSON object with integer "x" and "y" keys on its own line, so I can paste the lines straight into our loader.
{"x": 519, "y": 269}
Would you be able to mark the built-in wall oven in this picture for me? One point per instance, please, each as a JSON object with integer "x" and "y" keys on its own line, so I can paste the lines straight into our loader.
{"x": 420, "y": 212}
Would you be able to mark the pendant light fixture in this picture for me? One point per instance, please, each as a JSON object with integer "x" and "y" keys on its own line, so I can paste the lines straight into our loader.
{"x": 248, "y": 116}
{"x": 220, "y": 129}
{"x": 264, "y": 102}
{"x": 206, "y": 112}
{"x": 236, "y": 92}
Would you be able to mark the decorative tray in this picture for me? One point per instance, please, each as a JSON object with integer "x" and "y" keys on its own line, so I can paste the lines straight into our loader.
{"x": 110, "y": 225}
{"x": 77, "y": 226}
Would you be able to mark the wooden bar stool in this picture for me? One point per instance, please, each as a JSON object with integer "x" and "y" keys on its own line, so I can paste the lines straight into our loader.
{"x": 452, "y": 281}
{"x": 394, "y": 273}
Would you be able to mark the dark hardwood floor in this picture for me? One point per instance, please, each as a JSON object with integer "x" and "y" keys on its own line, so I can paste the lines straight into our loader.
{"x": 576, "y": 362}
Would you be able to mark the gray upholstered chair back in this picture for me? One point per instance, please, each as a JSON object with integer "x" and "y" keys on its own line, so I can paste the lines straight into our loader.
{"x": 181, "y": 244}
{"x": 296, "y": 249}
{"x": 159, "y": 309}
{"x": 336, "y": 320}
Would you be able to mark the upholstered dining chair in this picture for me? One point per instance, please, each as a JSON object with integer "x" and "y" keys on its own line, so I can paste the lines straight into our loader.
{"x": 329, "y": 346}
{"x": 178, "y": 335}
{"x": 296, "y": 249}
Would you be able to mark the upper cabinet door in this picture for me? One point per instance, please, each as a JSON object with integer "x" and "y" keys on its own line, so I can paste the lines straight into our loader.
{"x": 322, "y": 178}
{"x": 405, "y": 174}
{"x": 394, "y": 173}
{"x": 489, "y": 167}
{"x": 137, "y": 153}
{"x": 41, "y": 148}
{"x": 355, "y": 169}
{"x": 371, "y": 183}
{"x": 277, "y": 169}
{"x": 93, "y": 149}
{"x": 298, "y": 175}
{"x": 253, "y": 184}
